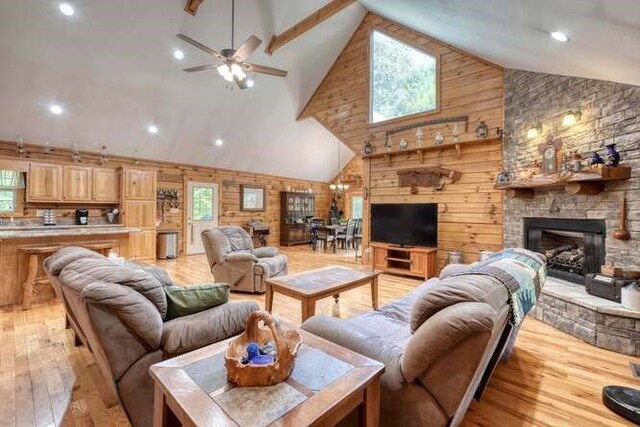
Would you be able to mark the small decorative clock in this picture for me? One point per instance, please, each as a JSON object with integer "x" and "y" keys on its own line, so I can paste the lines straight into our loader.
{"x": 550, "y": 154}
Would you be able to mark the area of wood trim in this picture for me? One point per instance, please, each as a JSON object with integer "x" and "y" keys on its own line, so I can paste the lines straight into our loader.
{"x": 307, "y": 24}
{"x": 192, "y": 6}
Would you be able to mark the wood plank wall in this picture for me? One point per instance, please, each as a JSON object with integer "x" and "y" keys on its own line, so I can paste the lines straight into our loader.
{"x": 470, "y": 210}
{"x": 172, "y": 175}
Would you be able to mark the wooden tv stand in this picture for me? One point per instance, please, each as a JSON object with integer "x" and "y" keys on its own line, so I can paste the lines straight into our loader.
{"x": 411, "y": 261}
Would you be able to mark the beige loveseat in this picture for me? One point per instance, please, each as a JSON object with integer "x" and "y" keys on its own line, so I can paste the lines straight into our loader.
{"x": 235, "y": 261}
{"x": 121, "y": 313}
{"x": 439, "y": 343}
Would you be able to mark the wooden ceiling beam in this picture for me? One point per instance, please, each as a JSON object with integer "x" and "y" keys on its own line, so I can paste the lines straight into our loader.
{"x": 192, "y": 6}
{"x": 307, "y": 24}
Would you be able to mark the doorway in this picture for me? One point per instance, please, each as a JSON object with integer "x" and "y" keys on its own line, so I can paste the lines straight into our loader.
{"x": 202, "y": 213}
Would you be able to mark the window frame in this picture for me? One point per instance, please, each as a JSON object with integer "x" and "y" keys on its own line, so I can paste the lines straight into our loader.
{"x": 435, "y": 55}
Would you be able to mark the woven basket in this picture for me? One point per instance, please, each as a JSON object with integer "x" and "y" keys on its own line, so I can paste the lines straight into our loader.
{"x": 287, "y": 343}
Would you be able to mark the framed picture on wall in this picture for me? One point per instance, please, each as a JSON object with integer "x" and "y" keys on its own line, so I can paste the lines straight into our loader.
{"x": 252, "y": 198}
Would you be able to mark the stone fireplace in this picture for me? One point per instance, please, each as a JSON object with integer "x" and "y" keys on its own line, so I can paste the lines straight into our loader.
{"x": 575, "y": 230}
{"x": 573, "y": 247}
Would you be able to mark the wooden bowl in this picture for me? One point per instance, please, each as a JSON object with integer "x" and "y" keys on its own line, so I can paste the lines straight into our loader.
{"x": 287, "y": 343}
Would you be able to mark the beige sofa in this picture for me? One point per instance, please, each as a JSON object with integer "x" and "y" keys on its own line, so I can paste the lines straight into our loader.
{"x": 440, "y": 344}
{"x": 235, "y": 261}
{"x": 121, "y": 314}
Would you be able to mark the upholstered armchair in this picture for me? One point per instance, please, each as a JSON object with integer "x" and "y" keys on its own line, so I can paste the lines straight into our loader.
{"x": 235, "y": 261}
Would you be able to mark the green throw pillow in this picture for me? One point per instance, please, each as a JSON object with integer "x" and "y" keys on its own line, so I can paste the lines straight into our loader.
{"x": 186, "y": 300}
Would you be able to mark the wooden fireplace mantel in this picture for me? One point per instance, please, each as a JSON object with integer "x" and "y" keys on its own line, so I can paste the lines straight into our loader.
{"x": 588, "y": 182}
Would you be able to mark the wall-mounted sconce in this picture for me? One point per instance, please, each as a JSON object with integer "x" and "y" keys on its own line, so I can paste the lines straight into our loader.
{"x": 534, "y": 132}
{"x": 571, "y": 118}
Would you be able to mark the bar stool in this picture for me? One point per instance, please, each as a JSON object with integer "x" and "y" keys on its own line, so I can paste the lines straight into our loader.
{"x": 33, "y": 254}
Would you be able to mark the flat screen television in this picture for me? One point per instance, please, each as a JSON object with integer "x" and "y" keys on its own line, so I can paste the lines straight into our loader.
{"x": 405, "y": 224}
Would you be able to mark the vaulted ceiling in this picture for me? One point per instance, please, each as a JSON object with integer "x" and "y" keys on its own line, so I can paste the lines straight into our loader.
{"x": 111, "y": 67}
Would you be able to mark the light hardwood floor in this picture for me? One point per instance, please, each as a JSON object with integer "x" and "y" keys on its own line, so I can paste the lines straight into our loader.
{"x": 552, "y": 379}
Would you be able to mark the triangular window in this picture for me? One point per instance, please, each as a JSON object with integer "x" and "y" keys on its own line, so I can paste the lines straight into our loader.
{"x": 403, "y": 79}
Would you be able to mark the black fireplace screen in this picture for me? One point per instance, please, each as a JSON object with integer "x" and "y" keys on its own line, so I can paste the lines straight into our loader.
{"x": 573, "y": 247}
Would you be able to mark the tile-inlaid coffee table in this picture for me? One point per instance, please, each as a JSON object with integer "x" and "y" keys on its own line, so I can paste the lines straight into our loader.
{"x": 328, "y": 382}
{"x": 313, "y": 285}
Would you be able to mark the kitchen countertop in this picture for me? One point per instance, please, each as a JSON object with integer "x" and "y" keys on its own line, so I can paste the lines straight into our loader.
{"x": 63, "y": 230}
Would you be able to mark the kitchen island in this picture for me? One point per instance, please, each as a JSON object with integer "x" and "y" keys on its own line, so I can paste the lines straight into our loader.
{"x": 15, "y": 243}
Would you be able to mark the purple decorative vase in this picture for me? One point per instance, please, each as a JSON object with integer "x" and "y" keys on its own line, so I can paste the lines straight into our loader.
{"x": 612, "y": 157}
{"x": 595, "y": 159}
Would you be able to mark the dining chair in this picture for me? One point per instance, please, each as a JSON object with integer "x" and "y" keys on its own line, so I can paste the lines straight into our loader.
{"x": 346, "y": 237}
{"x": 357, "y": 238}
{"x": 316, "y": 223}
{"x": 324, "y": 237}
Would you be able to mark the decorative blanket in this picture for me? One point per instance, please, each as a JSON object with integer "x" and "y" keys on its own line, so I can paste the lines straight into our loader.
{"x": 521, "y": 271}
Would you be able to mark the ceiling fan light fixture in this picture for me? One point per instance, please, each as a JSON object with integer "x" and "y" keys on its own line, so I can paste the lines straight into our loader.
{"x": 237, "y": 71}
{"x": 225, "y": 72}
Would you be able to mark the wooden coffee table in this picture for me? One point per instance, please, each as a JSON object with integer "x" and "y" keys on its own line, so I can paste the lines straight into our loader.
{"x": 312, "y": 285}
{"x": 328, "y": 382}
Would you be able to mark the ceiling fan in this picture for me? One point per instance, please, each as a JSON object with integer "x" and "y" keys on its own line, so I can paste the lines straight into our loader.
{"x": 233, "y": 67}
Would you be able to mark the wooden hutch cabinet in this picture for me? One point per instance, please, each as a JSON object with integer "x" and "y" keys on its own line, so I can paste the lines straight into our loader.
{"x": 296, "y": 209}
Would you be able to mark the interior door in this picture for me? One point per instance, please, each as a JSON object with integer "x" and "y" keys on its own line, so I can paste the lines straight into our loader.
{"x": 202, "y": 213}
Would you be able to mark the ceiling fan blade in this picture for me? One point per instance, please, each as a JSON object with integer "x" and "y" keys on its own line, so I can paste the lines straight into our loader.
{"x": 200, "y": 68}
{"x": 264, "y": 69}
{"x": 200, "y": 46}
{"x": 246, "y": 49}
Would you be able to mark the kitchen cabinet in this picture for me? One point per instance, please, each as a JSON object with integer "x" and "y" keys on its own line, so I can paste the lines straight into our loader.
{"x": 139, "y": 214}
{"x": 44, "y": 183}
{"x": 142, "y": 245}
{"x": 139, "y": 209}
{"x": 72, "y": 184}
{"x": 105, "y": 185}
{"x": 139, "y": 184}
{"x": 76, "y": 183}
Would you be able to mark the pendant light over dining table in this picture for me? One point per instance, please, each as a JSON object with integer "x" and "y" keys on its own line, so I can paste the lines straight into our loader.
{"x": 338, "y": 188}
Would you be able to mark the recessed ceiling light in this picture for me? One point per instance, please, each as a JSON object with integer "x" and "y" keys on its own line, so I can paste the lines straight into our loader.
{"x": 178, "y": 54}
{"x": 56, "y": 109}
{"x": 219, "y": 142}
{"x": 66, "y": 9}
{"x": 250, "y": 83}
{"x": 152, "y": 129}
{"x": 560, "y": 36}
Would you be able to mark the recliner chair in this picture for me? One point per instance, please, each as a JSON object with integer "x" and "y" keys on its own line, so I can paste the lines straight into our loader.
{"x": 235, "y": 261}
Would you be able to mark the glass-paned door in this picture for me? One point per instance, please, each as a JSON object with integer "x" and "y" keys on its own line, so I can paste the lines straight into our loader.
{"x": 356, "y": 207}
{"x": 202, "y": 205}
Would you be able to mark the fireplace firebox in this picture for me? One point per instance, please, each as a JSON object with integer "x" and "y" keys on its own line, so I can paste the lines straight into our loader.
{"x": 573, "y": 247}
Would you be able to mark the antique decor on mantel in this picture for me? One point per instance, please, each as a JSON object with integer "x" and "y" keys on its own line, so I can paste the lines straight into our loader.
{"x": 432, "y": 176}
{"x": 585, "y": 182}
{"x": 550, "y": 154}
